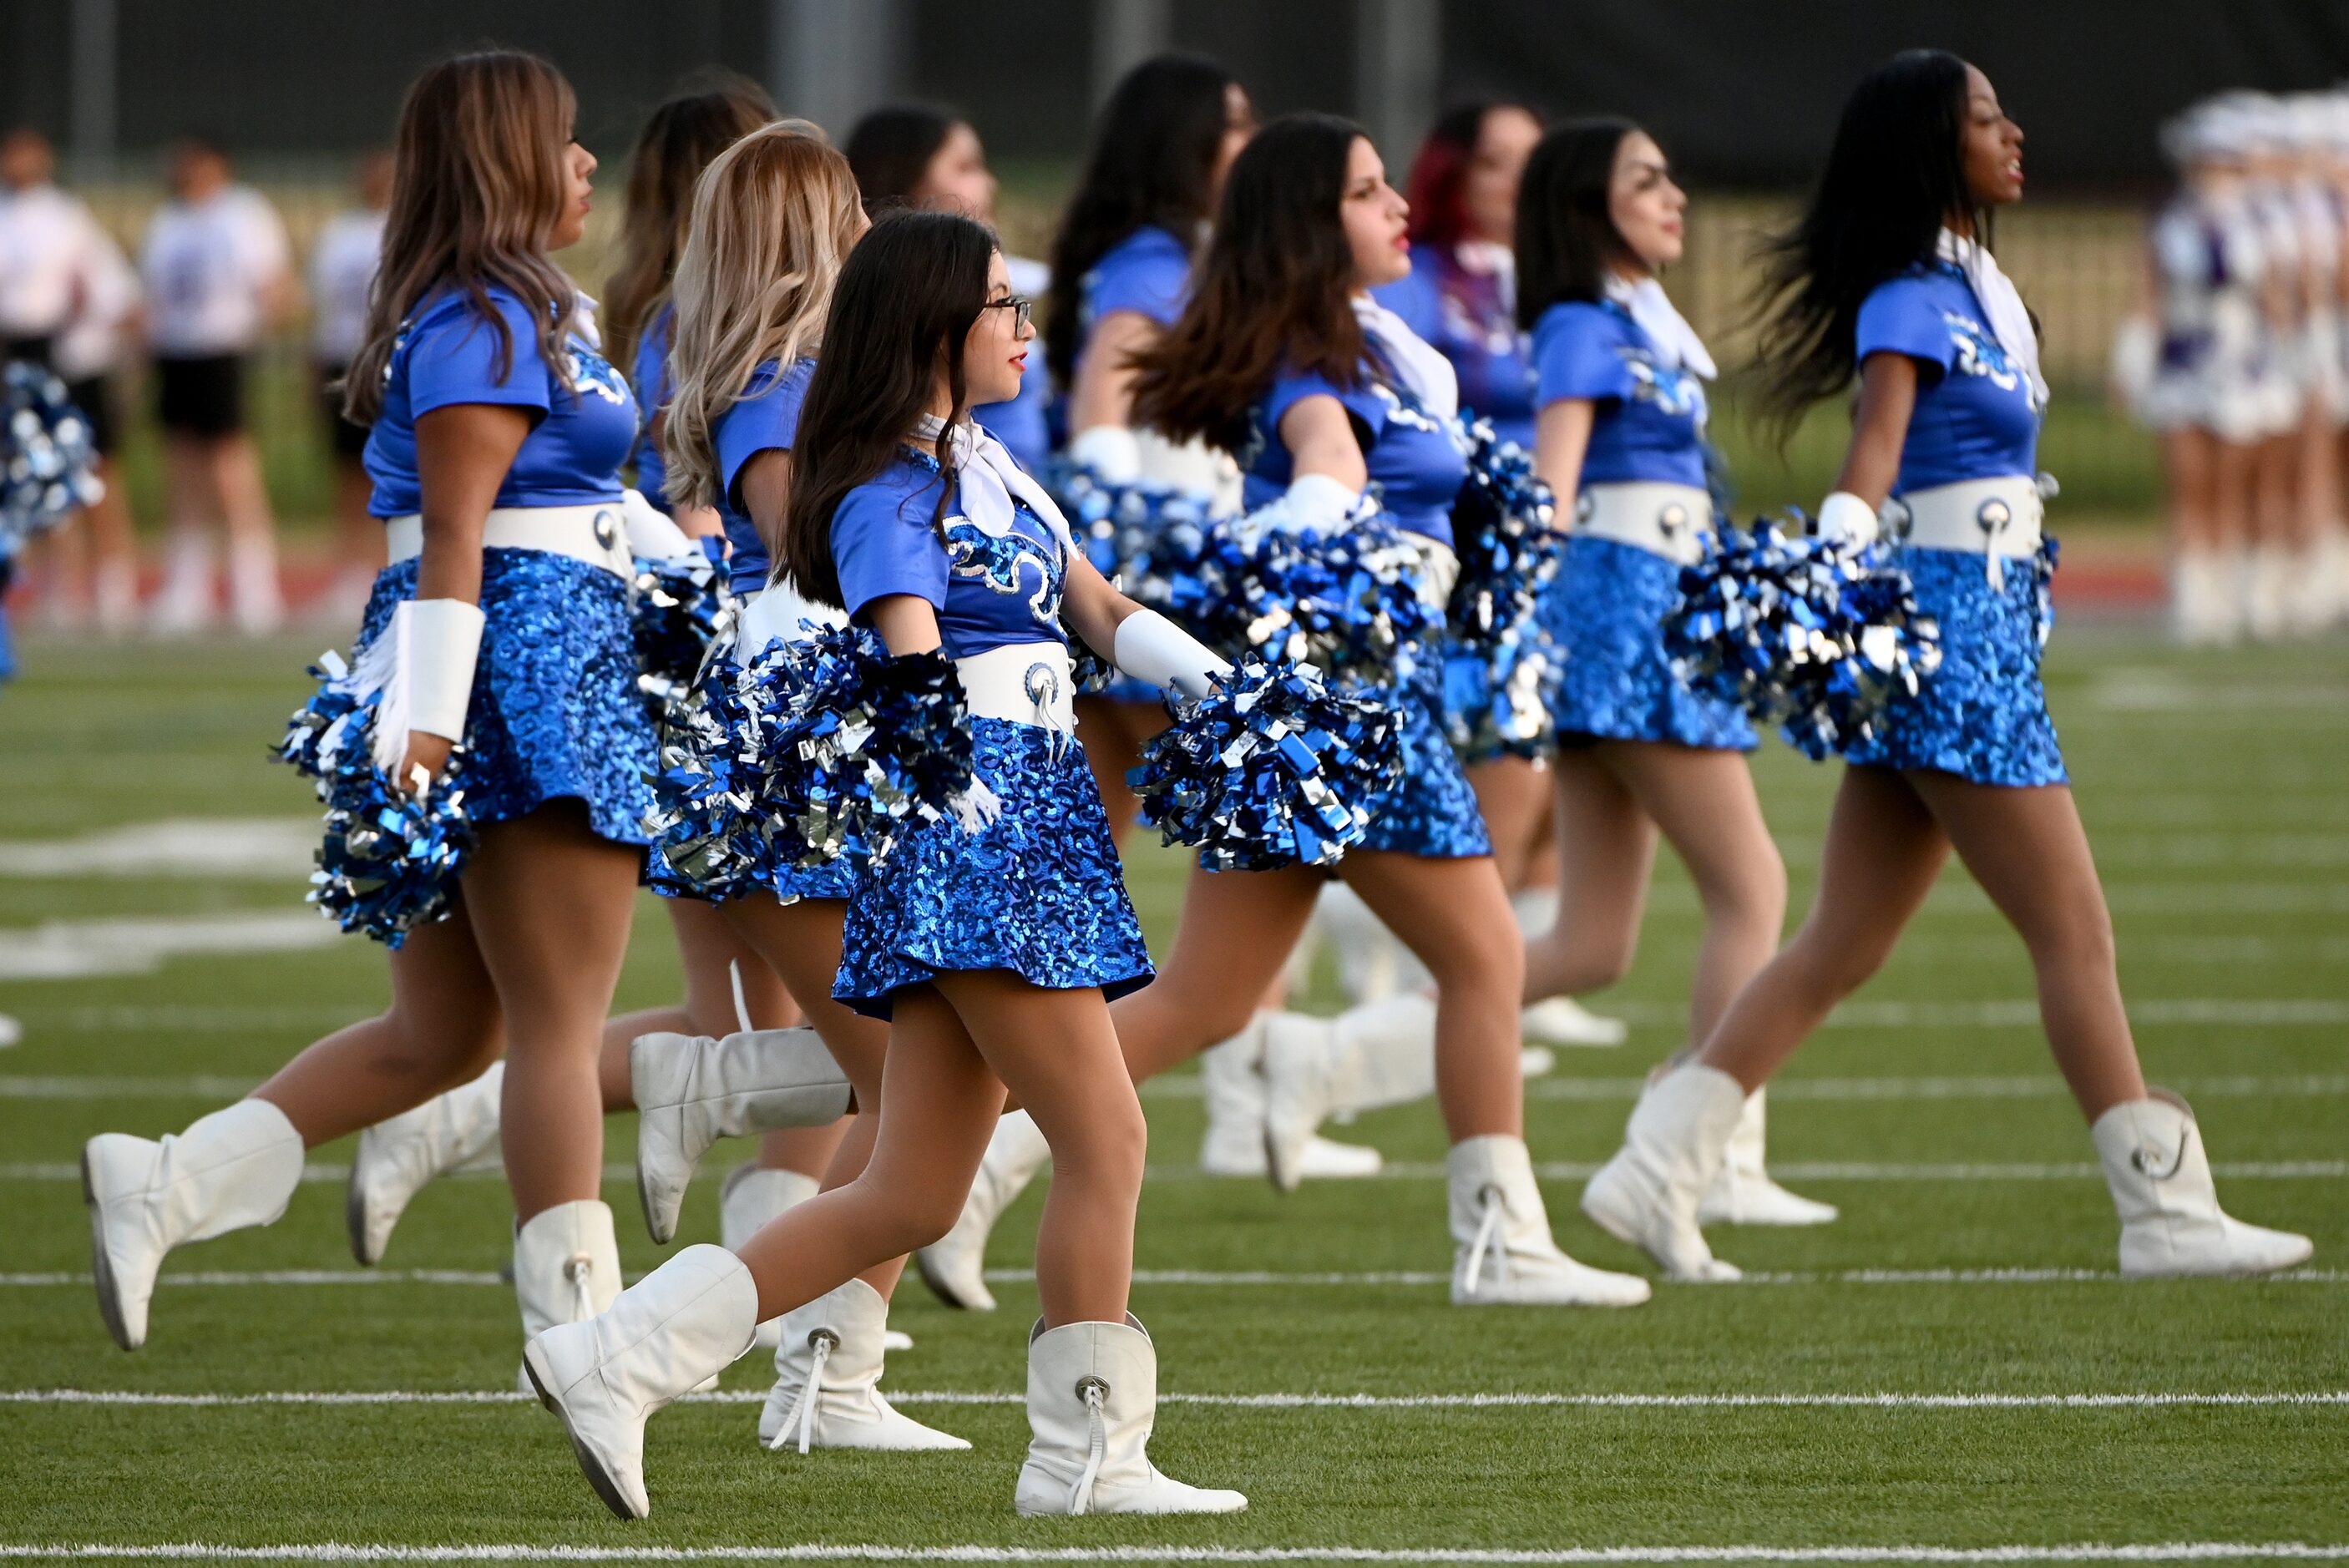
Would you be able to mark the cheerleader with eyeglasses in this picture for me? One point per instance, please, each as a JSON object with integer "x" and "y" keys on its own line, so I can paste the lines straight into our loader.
{"x": 1888, "y": 275}
{"x": 991, "y": 938}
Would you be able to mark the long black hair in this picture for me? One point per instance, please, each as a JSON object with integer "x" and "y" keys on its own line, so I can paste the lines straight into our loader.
{"x": 905, "y": 301}
{"x": 1567, "y": 238}
{"x": 1271, "y": 293}
{"x": 1153, "y": 163}
{"x": 1895, "y": 175}
{"x": 890, "y": 151}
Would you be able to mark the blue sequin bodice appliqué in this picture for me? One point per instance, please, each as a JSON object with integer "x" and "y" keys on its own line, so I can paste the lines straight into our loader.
{"x": 1011, "y": 563}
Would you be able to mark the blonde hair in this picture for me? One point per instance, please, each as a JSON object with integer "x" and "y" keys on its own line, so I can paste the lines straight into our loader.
{"x": 477, "y": 186}
{"x": 772, "y": 216}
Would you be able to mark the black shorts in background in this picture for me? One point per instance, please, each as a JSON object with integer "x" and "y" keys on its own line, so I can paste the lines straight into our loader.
{"x": 95, "y": 398}
{"x": 349, "y": 440}
{"x": 34, "y": 349}
{"x": 201, "y": 395}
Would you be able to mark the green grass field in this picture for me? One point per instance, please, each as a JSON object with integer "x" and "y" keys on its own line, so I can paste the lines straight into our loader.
{"x": 1952, "y": 1367}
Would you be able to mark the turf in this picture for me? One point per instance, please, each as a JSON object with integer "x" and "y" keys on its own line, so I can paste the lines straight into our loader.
{"x": 2211, "y": 784}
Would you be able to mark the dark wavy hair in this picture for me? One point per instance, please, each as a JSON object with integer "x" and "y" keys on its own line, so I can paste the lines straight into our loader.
{"x": 1270, "y": 294}
{"x": 1152, "y": 162}
{"x": 1438, "y": 175}
{"x": 1566, "y": 237}
{"x": 676, "y": 145}
{"x": 1895, "y": 174}
{"x": 890, "y": 149}
{"x": 905, "y": 302}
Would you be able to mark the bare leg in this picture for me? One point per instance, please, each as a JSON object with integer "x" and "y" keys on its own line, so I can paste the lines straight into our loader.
{"x": 1703, "y": 803}
{"x": 2026, "y": 849}
{"x": 1883, "y": 851}
{"x": 555, "y": 979}
{"x": 712, "y": 955}
{"x": 1514, "y": 796}
{"x": 1454, "y": 917}
{"x": 1605, "y": 850}
{"x": 442, "y": 1029}
{"x": 1114, "y": 733}
{"x": 1234, "y": 940}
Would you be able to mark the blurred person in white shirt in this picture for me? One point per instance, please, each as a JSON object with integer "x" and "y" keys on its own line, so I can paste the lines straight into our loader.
{"x": 219, "y": 275}
{"x": 66, "y": 296}
{"x": 342, "y": 269}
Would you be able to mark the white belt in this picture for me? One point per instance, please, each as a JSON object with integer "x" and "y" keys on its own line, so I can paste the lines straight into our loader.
{"x": 597, "y": 535}
{"x": 1998, "y": 519}
{"x": 1665, "y": 520}
{"x": 1024, "y": 683}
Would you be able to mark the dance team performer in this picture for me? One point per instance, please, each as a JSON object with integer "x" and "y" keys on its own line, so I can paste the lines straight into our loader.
{"x": 1889, "y": 276}
{"x": 991, "y": 949}
{"x": 1283, "y": 358}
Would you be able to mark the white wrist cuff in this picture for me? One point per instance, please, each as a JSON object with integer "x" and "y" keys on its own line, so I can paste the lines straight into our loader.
{"x": 1319, "y": 502}
{"x": 1847, "y": 519}
{"x": 1110, "y": 452}
{"x": 1150, "y": 648}
{"x": 439, "y": 641}
{"x": 652, "y": 533}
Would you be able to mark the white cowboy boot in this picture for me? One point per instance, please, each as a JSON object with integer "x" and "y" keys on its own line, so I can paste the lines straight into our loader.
{"x": 566, "y": 1267}
{"x": 1505, "y": 1255}
{"x": 1234, "y": 1091}
{"x": 2170, "y": 1220}
{"x": 691, "y": 1090}
{"x": 235, "y": 1168}
{"x": 399, "y": 1156}
{"x": 750, "y": 1196}
{"x": 1741, "y": 1192}
{"x": 827, "y": 1376}
{"x": 955, "y": 1265}
{"x": 680, "y": 1325}
{"x": 1557, "y": 1020}
{"x": 1676, "y": 1139}
{"x": 1366, "y": 1058}
{"x": 1092, "y": 1396}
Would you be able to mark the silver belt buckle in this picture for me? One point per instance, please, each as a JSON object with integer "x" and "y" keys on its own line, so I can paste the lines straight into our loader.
{"x": 1043, "y": 685}
{"x": 1995, "y": 517}
{"x": 608, "y": 530}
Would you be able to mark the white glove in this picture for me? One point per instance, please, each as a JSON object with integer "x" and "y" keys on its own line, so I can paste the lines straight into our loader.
{"x": 1846, "y": 519}
{"x": 773, "y": 615}
{"x": 1312, "y": 503}
{"x": 1150, "y": 648}
{"x": 651, "y": 533}
{"x": 1110, "y": 452}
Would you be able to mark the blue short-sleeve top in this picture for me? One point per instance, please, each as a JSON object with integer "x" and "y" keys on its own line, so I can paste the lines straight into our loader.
{"x": 1975, "y": 418}
{"x": 763, "y": 419}
{"x": 447, "y": 354}
{"x": 651, "y": 380}
{"x": 1413, "y": 463}
{"x": 1648, "y": 425}
{"x": 1147, "y": 272}
{"x": 989, "y": 591}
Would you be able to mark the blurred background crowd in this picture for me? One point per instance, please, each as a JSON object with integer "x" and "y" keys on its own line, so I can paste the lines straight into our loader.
{"x": 189, "y": 202}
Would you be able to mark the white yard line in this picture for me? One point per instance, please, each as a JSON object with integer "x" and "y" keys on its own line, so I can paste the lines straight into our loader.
{"x": 1312, "y": 1401}
{"x": 214, "y": 849}
{"x": 78, "y": 949}
{"x": 1529, "y": 1557}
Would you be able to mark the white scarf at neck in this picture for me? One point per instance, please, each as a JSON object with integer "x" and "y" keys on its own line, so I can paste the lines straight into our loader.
{"x": 1677, "y": 344}
{"x": 987, "y": 477}
{"x": 1416, "y": 362}
{"x": 2009, "y": 323}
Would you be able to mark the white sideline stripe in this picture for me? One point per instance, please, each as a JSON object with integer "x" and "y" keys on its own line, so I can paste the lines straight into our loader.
{"x": 1533, "y": 1557}
{"x": 242, "y": 1278}
{"x": 2022, "y": 1012}
{"x": 78, "y": 949}
{"x": 1884, "y": 1400}
{"x": 215, "y": 849}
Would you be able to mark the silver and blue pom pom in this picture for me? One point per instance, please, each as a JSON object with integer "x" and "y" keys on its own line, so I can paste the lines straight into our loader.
{"x": 1139, "y": 533}
{"x": 390, "y": 859}
{"x": 1347, "y": 603}
{"x": 1269, "y": 770}
{"x": 48, "y": 467}
{"x": 1502, "y": 668}
{"x": 710, "y": 837}
{"x": 676, "y": 608}
{"x": 1816, "y": 636}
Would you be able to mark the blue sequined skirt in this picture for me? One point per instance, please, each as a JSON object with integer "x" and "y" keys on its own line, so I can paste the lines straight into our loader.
{"x": 1982, "y": 715}
{"x": 1039, "y": 891}
{"x": 1606, "y": 612}
{"x": 1430, "y": 811}
{"x": 555, "y": 711}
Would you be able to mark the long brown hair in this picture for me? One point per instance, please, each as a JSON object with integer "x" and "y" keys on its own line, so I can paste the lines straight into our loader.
{"x": 902, "y": 310}
{"x": 772, "y": 216}
{"x": 1272, "y": 290}
{"x": 478, "y": 183}
{"x": 676, "y": 145}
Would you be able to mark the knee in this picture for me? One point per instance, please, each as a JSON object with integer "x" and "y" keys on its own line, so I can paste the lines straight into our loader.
{"x": 1748, "y": 896}
{"x": 914, "y": 1220}
{"x": 1107, "y": 1145}
{"x": 1494, "y": 968}
{"x": 2077, "y": 939}
{"x": 447, "y": 1051}
{"x": 1591, "y": 955}
{"x": 1832, "y": 964}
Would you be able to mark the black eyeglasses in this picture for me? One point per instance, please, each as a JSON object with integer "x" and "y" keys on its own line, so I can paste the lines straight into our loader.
{"x": 1022, "y": 308}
